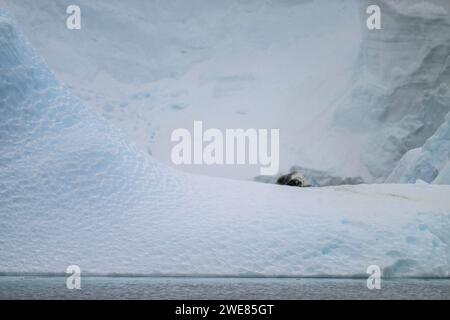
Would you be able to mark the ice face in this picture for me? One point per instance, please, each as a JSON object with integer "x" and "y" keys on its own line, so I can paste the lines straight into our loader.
{"x": 428, "y": 163}
{"x": 400, "y": 97}
{"x": 444, "y": 175}
{"x": 73, "y": 191}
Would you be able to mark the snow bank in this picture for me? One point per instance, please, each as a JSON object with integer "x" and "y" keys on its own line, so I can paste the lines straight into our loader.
{"x": 72, "y": 191}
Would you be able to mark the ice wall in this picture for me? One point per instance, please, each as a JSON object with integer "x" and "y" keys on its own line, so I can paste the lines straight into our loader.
{"x": 401, "y": 94}
{"x": 72, "y": 191}
{"x": 429, "y": 163}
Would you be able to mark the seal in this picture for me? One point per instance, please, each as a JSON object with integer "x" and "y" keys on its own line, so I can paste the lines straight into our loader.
{"x": 293, "y": 179}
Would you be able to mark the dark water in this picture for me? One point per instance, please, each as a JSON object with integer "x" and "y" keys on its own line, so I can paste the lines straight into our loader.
{"x": 219, "y": 288}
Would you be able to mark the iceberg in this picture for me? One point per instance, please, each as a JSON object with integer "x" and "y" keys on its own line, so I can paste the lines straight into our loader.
{"x": 74, "y": 191}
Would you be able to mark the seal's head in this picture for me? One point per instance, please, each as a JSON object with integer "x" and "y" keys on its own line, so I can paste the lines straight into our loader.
{"x": 294, "y": 179}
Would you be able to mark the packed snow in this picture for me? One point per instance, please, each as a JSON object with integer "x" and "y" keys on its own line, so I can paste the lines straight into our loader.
{"x": 74, "y": 191}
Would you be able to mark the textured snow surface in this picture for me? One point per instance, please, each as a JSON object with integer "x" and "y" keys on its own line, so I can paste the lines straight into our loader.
{"x": 72, "y": 191}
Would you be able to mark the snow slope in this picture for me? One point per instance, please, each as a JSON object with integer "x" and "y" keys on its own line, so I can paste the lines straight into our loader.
{"x": 73, "y": 191}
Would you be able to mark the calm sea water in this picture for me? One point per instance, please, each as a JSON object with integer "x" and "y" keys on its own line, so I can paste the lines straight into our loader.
{"x": 219, "y": 288}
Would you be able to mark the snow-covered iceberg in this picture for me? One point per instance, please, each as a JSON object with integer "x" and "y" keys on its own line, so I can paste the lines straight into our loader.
{"x": 73, "y": 191}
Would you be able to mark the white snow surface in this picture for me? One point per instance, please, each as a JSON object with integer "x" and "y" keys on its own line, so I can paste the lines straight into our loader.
{"x": 73, "y": 191}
